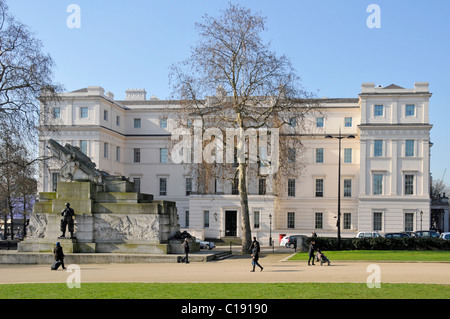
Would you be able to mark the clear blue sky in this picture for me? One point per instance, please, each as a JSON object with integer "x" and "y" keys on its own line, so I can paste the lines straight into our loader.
{"x": 131, "y": 44}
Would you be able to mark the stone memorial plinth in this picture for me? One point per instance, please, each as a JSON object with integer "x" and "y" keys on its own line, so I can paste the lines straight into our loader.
{"x": 109, "y": 216}
{"x": 105, "y": 222}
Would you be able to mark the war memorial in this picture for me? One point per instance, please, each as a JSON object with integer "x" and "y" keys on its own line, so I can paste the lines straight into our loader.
{"x": 108, "y": 216}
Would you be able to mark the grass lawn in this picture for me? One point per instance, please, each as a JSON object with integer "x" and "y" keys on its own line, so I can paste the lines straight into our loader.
{"x": 382, "y": 255}
{"x": 224, "y": 291}
{"x": 250, "y": 290}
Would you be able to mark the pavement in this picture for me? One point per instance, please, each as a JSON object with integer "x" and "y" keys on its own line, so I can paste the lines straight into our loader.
{"x": 277, "y": 268}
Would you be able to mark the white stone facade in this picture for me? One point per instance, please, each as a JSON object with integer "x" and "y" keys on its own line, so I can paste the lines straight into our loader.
{"x": 385, "y": 169}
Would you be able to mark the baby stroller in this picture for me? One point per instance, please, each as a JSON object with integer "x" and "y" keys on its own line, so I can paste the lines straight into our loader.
{"x": 322, "y": 258}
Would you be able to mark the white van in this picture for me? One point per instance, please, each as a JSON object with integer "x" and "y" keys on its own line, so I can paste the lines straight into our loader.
{"x": 363, "y": 234}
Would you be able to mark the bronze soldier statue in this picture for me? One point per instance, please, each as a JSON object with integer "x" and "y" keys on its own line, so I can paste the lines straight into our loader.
{"x": 67, "y": 220}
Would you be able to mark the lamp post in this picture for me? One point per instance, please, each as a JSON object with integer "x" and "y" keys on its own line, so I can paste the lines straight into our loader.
{"x": 338, "y": 224}
{"x": 421, "y": 214}
{"x": 270, "y": 230}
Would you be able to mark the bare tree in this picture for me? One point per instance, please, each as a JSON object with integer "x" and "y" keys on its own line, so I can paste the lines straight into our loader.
{"x": 16, "y": 181}
{"x": 26, "y": 187}
{"x": 439, "y": 188}
{"x": 233, "y": 80}
{"x": 25, "y": 80}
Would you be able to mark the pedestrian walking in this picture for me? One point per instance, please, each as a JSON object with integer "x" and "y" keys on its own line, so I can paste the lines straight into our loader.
{"x": 295, "y": 243}
{"x": 312, "y": 251}
{"x": 59, "y": 257}
{"x": 186, "y": 251}
{"x": 257, "y": 244}
{"x": 255, "y": 257}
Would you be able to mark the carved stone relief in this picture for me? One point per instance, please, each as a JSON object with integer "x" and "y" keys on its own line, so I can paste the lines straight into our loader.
{"x": 138, "y": 227}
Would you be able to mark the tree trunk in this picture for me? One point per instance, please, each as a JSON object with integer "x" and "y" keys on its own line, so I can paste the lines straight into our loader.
{"x": 5, "y": 228}
{"x": 24, "y": 216}
{"x": 11, "y": 213}
{"x": 245, "y": 216}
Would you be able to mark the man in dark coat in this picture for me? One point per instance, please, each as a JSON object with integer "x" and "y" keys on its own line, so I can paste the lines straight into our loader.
{"x": 186, "y": 251}
{"x": 312, "y": 251}
{"x": 255, "y": 257}
{"x": 59, "y": 254}
{"x": 68, "y": 215}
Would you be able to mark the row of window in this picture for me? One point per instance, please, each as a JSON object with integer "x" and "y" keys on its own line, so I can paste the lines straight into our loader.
{"x": 347, "y": 155}
{"x": 318, "y": 220}
{"x": 319, "y": 187}
{"x": 320, "y": 122}
{"x": 84, "y": 114}
{"x": 377, "y": 186}
{"x": 379, "y": 110}
{"x": 378, "y": 179}
{"x": 162, "y": 122}
{"x": 378, "y": 148}
{"x": 163, "y": 185}
{"x": 377, "y": 221}
{"x": 378, "y": 151}
{"x": 163, "y": 154}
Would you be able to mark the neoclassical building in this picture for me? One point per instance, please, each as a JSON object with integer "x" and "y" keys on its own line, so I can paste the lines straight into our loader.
{"x": 384, "y": 170}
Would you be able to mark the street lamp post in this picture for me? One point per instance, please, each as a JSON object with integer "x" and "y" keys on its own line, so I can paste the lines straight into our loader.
{"x": 338, "y": 224}
{"x": 421, "y": 214}
{"x": 270, "y": 230}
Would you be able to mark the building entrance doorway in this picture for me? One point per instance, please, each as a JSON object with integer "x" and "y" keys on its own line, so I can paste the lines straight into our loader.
{"x": 230, "y": 222}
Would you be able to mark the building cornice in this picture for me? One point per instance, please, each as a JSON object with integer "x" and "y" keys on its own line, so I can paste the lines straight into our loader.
{"x": 67, "y": 128}
{"x": 398, "y": 126}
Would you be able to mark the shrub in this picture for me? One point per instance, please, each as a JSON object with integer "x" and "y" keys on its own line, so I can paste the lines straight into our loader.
{"x": 381, "y": 243}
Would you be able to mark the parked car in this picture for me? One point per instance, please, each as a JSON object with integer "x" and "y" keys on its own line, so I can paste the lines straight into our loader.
{"x": 445, "y": 236}
{"x": 205, "y": 244}
{"x": 396, "y": 235}
{"x": 291, "y": 241}
{"x": 427, "y": 233}
{"x": 362, "y": 234}
{"x": 410, "y": 233}
{"x": 284, "y": 241}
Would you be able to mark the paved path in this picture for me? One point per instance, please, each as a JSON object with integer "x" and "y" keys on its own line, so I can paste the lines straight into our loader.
{"x": 235, "y": 269}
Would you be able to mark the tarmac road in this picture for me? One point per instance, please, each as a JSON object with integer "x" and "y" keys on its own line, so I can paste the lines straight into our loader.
{"x": 234, "y": 269}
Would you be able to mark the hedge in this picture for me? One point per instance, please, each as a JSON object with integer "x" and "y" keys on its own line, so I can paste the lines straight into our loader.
{"x": 381, "y": 243}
